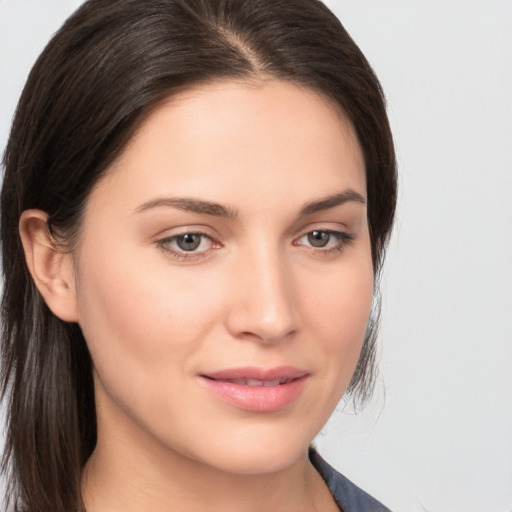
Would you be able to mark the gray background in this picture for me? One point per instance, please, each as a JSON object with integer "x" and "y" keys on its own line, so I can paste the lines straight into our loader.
{"x": 437, "y": 436}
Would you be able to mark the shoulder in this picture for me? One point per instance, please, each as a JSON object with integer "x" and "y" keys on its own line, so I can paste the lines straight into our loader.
{"x": 348, "y": 496}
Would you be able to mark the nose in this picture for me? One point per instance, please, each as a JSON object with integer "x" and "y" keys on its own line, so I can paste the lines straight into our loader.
{"x": 262, "y": 303}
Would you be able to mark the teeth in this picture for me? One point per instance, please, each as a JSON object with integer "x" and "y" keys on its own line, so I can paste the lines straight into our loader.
{"x": 253, "y": 382}
{"x": 275, "y": 382}
{"x": 256, "y": 382}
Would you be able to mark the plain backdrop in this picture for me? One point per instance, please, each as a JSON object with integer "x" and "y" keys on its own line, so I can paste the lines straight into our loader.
{"x": 437, "y": 436}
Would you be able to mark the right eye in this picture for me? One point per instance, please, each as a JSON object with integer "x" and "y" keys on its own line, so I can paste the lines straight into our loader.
{"x": 186, "y": 245}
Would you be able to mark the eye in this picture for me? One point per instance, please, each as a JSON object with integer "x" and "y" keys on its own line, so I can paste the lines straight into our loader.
{"x": 187, "y": 245}
{"x": 188, "y": 241}
{"x": 325, "y": 240}
{"x": 319, "y": 238}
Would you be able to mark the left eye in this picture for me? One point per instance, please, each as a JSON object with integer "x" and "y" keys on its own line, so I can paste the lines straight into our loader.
{"x": 318, "y": 238}
{"x": 325, "y": 239}
{"x": 189, "y": 241}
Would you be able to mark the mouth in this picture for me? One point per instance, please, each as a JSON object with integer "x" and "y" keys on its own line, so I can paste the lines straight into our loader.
{"x": 255, "y": 382}
{"x": 256, "y": 389}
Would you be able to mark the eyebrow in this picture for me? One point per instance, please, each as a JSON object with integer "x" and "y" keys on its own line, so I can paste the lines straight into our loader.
{"x": 190, "y": 205}
{"x": 218, "y": 210}
{"x": 331, "y": 201}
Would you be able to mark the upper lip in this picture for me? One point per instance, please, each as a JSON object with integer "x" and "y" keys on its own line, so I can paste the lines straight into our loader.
{"x": 282, "y": 373}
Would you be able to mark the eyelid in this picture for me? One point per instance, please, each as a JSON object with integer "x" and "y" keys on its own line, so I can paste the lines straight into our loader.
{"x": 182, "y": 229}
{"x": 164, "y": 244}
{"x": 344, "y": 239}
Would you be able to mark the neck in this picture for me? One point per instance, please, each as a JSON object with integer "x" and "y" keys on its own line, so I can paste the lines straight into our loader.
{"x": 137, "y": 482}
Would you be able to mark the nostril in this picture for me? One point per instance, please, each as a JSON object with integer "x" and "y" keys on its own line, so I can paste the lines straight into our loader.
{"x": 262, "y": 303}
{"x": 267, "y": 337}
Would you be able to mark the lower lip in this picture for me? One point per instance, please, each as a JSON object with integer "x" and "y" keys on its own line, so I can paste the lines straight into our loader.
{"x": 257, "y": 398}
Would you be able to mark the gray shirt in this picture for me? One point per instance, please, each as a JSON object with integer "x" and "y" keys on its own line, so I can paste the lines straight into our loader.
{"x": 347, "y": 495}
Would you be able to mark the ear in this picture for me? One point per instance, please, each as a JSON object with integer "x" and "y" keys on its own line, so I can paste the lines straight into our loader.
{"x": 51, "y": 266}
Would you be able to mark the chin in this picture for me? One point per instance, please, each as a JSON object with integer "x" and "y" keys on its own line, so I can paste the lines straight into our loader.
{"x": 258, "y": 452}
{"x": 259, "y": 462}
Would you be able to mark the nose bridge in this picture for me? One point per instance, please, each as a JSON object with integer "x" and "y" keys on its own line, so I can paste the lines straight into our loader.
{"x": 263, "y": 305}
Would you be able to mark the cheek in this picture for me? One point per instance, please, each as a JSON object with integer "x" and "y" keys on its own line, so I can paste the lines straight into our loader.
{"x": 339, "y": 313}
{"x": 135, "y": 318}
{"x": 341, "y": 299}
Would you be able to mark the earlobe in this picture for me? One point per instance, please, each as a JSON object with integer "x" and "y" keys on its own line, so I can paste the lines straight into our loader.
{"x": 51, "y": 267}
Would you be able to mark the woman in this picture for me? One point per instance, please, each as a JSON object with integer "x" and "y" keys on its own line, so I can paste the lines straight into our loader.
{"x": 196, "y": 202}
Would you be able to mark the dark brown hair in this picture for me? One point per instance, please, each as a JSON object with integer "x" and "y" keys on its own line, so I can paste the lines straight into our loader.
{"x": 111, "y": 63}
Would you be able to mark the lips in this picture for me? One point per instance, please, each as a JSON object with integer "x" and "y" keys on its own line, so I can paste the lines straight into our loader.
{"x": 256, "y": 382}
{"x": 257, "y": 389}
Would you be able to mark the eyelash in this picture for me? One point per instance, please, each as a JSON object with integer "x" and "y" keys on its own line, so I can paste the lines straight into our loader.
{"x": 180, "y": 254}
{"x": 342, "y": 240}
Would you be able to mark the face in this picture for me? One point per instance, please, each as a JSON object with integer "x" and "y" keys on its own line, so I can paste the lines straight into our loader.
{"x": 224, "y": 276}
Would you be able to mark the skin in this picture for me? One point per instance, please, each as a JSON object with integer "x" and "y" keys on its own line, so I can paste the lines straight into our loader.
{"x": 255, "y": 292}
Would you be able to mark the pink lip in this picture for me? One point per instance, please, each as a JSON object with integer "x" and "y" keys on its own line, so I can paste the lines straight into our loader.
{"x": 269, "y": 397}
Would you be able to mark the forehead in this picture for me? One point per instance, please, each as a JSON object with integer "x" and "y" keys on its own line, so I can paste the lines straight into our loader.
{"x": 225, "y": 140}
